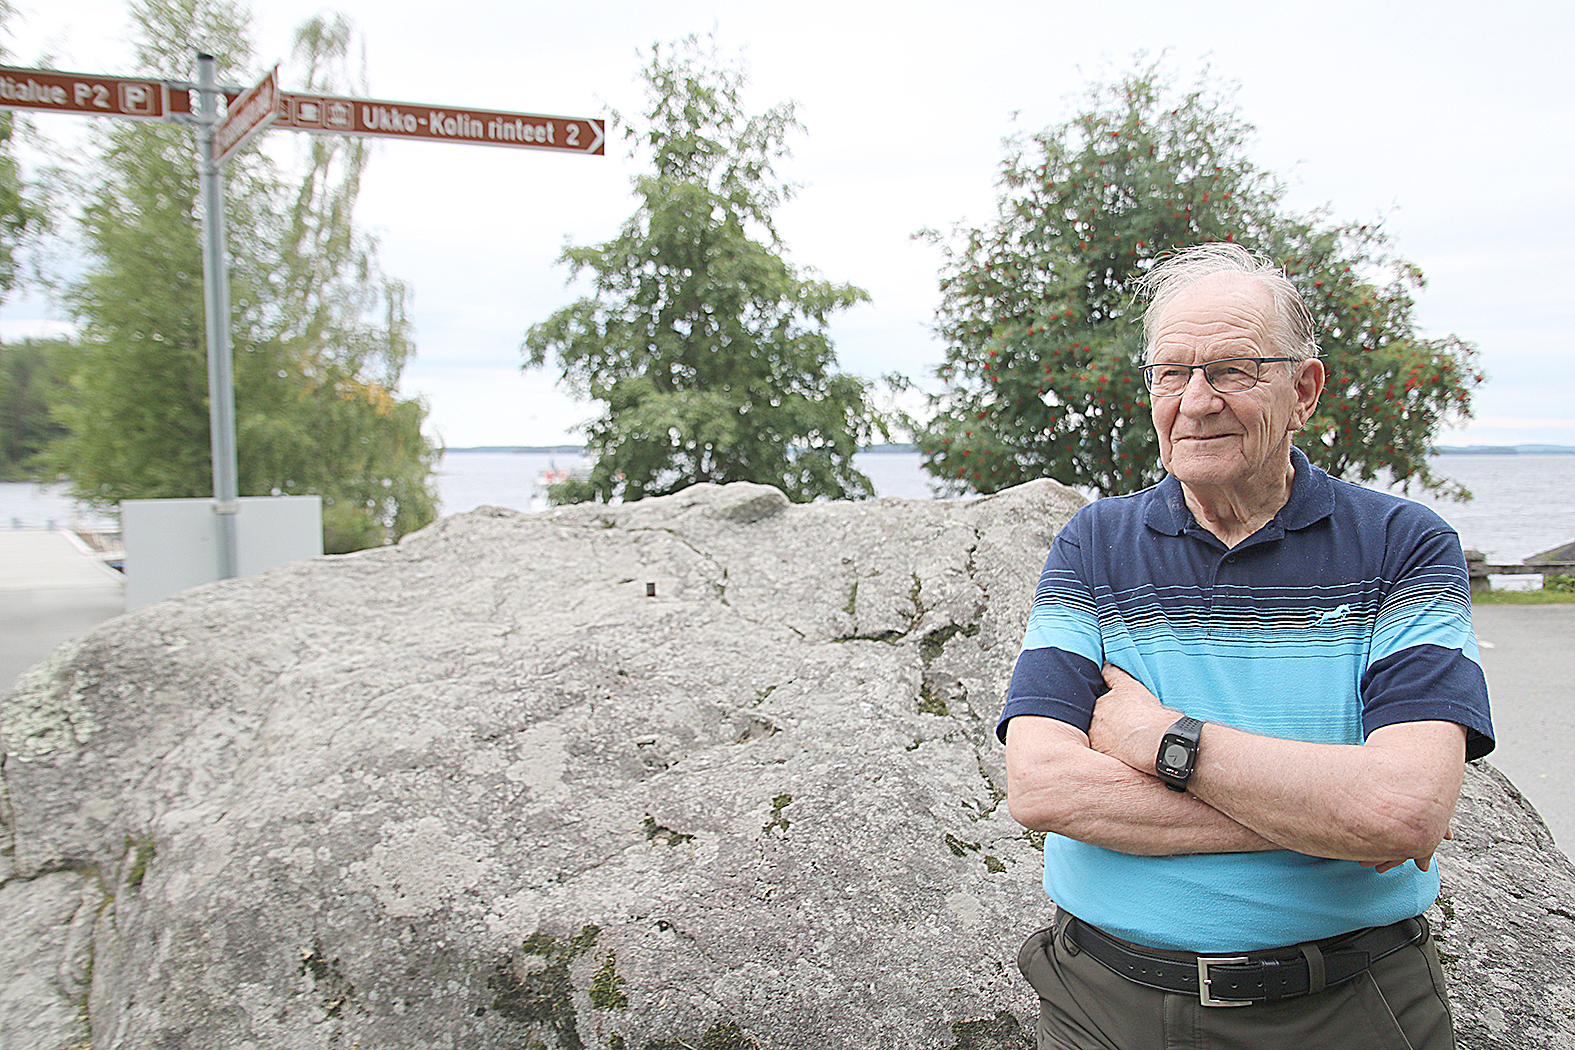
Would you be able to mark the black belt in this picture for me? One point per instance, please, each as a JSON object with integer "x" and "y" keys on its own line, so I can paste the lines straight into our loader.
{"x": 1246, "y": 978}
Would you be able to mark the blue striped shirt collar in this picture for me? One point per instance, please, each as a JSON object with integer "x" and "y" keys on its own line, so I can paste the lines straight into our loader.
{"x": 1312, "y": 500}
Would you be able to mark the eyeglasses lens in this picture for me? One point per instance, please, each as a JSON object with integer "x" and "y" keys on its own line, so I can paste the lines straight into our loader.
{"x": 1230, "y": 376}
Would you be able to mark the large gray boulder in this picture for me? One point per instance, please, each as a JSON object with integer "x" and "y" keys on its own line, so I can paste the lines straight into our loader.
{"x": 1505, "y": 921}
{"x": 483, "y": 790}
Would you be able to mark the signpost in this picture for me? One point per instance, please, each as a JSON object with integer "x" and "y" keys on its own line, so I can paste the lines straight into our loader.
{"x": 222, "y": 128}
{"x": 216, "y": 315}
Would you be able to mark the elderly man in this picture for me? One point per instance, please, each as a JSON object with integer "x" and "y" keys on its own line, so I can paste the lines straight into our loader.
{"x": 1241, "y": 714}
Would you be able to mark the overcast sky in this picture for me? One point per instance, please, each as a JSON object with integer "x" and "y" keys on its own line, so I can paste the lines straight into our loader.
{"x": 1447, "y": 121}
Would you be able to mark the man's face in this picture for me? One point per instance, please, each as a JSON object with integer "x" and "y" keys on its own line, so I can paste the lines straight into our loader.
{"x": 1237, "y": 442}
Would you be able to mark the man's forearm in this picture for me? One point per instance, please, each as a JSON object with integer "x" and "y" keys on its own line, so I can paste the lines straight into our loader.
{"x": 1388, "y": 799}
{"x": 1056, "y": 782}
{"x": 1375, "y": 802}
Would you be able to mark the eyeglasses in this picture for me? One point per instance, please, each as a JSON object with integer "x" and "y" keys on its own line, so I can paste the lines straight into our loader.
{"x": 1229, "y": 375}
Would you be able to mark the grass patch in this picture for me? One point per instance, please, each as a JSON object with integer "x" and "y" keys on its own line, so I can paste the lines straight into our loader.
{"x": 1542, "y": 597}
{"x": 1556, "y": 588}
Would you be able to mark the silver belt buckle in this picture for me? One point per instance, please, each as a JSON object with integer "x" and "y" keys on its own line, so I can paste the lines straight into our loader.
{"x": 1205, "y": 993}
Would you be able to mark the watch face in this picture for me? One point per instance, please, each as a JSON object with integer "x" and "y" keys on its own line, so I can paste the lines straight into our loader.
{"x": 1178, "y": 751}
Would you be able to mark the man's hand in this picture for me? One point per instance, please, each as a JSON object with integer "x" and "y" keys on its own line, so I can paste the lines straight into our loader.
{"x": 1381, "y": 866}
{"x": 1129, "y": 721}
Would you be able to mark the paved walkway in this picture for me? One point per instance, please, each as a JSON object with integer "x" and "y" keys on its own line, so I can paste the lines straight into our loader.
{"x": 1528, "y": 652}
{"x": 52, "y": 591}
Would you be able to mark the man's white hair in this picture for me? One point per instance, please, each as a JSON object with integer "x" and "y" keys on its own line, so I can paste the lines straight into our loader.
{"x": 1290, "y": 322}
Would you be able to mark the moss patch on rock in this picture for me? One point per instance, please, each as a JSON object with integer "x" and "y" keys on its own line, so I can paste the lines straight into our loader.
{"x": 605, "y": 986}
{"x": 544, "y": 995}
{"x": 724, "y": 1035}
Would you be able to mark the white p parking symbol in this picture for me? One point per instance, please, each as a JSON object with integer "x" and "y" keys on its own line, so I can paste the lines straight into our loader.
{"x": 137, "y": 99}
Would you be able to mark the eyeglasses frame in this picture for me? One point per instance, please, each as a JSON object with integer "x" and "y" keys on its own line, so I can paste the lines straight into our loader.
{"x": 1148, "y": 382}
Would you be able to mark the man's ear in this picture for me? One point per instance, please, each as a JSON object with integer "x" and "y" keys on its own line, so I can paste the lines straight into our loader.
{"x": 1311, "y": 377}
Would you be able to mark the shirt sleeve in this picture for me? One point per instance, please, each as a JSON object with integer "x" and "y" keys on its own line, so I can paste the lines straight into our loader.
{"x": 1424, "y": 663}
{"x": 1058, "y": 670}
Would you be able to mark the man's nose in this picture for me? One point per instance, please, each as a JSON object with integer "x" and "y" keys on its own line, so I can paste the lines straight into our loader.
{"x": 1199, "y": 398}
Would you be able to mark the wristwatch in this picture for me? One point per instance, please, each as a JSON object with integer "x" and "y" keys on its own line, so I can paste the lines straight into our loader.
{"x": 1178, "y": 753}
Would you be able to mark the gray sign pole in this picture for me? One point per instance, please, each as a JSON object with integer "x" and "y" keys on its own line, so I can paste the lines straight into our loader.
{"x": 216, "y": 310}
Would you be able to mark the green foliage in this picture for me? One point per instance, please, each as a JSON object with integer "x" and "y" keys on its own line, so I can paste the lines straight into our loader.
{"x": 28, "y": 369}
{"x": 32, "y": 373}
{"x": 707, "y": 350}
{"x": 320, "y": 336}
{"x": 1044, "y": 336}
{"x": 20, "y": 215}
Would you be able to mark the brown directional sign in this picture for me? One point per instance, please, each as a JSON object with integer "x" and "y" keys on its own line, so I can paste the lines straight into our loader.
{"x": 411, "y": 120}
{"x": 265, "y": 104}
{"x": 246, "y": 116}
{"x": 51, "y": 91}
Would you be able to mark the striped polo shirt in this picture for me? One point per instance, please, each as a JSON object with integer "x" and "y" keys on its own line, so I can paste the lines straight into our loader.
{"x": 1349, "y": 611}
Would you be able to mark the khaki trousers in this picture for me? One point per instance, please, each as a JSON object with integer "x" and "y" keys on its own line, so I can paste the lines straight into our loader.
{"x": 1399, "y": 1003}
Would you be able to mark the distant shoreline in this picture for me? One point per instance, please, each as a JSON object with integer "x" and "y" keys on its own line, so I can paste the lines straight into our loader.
{"x": 1504, "y": 450}
{"x": 1442, "y": 450}
{"x": 579, "y": 450}
{"x": 539, "y": 450}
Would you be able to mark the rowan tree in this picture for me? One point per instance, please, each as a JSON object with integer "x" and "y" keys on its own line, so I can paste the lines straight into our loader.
{"x": 1044, "y": 336}
{"x": 707, "y": 350}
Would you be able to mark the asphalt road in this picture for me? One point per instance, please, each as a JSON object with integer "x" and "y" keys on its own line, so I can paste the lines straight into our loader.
{"x": 1528, "y": 652}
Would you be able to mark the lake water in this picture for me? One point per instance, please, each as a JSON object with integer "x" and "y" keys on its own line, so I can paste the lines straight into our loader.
{"x": 1524, "y": 503}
